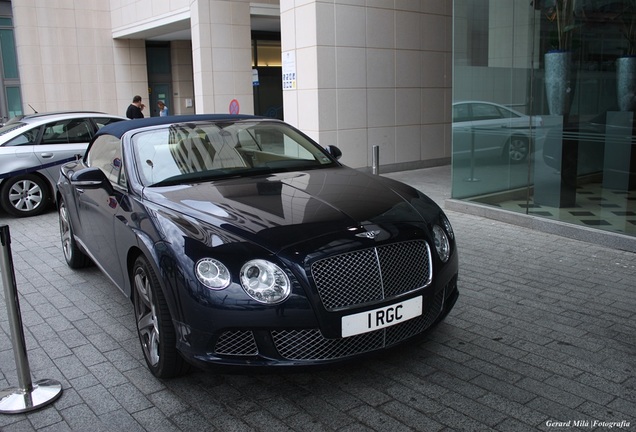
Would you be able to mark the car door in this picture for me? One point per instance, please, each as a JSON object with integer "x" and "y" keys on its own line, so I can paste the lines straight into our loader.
{"x": 62, "y": 141}
{"x": 462, "y": 131}
{"x": 98, "y": 208}
{"x": 491, "y": 130}
{"x": 18, "y": 154}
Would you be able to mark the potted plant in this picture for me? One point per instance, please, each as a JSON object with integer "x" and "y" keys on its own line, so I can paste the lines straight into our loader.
{"x": 558, "y": 71}
{"x": 561, "y": 13}
{"x": 626, "y": 64}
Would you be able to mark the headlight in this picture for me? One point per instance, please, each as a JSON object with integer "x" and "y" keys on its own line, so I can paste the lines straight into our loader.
{"x": 212, "y": 273}
{"x": 265, "y": 282}
{"x": 448, "y": 227}
{"x": 442, "y": 246}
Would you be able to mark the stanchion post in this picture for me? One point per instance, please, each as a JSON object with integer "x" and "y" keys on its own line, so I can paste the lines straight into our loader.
{"x": 28, "y": 396}
{"x": 472, "y": 177}
{"x": 375, "y": 160}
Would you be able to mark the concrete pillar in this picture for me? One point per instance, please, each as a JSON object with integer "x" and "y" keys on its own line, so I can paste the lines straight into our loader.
{"x": 368, "y": 74}
{"x": 221, "y": 55}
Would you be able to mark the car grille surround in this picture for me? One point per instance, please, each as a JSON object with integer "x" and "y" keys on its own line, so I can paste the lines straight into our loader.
{"x": 347, "y": 281}
{"x": 372, "y": 274}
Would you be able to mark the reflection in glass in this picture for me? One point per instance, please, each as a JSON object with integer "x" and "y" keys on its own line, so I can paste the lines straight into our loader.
{"x": 577, "y": 165}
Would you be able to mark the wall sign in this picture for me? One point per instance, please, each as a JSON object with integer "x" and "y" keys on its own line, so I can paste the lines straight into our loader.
{"x": 234, "y": 107}
{"x": 255, "y": 81}
{"x": 289, "y": 70}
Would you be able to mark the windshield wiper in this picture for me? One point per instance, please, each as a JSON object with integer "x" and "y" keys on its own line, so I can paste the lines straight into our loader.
{"x": 214, "y": 175}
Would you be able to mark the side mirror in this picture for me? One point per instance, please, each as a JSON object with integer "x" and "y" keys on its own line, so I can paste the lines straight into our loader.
{"x": 91, "y": 178}
{"x": 334, "y": 151}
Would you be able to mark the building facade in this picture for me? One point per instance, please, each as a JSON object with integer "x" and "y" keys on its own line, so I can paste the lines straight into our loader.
{"x": 426, "y": 81}
{"x": 365, "y": 74}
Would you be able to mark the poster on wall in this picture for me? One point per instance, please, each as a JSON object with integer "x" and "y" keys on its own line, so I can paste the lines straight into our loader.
{"x": 289, "y": 70}
{"x": 255, "y": 81}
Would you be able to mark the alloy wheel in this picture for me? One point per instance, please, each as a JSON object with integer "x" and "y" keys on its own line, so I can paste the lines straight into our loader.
{"x": 147, "y": 322}
{"x": 518, "y": 149}
{"x": 26, "y": 195}
{"x": 65, "y": 233}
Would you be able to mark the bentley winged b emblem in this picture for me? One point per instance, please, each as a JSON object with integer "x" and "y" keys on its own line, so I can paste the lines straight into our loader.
{"x": 369, "y": 234}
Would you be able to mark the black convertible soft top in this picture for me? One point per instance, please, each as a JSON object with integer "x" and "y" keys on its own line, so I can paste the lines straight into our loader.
{"x": 119, "y": 128}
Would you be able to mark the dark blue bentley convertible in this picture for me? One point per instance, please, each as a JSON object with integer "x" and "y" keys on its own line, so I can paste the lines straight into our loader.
{"x": 240, "y": 241}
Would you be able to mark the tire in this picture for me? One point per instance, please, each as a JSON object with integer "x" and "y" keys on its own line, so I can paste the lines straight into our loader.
{"x": 74, "y": 256}
{"x": 154, "y": 323}
{"x": 25, "y": 195}
{"x": 517, "y": 149}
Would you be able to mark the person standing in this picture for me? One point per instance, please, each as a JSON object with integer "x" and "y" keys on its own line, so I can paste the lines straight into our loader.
{"x": 135, "y": 109}
{"x": 163, "y": 109}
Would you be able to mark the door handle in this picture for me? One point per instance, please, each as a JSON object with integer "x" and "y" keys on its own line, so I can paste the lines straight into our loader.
{"x": 47, "y": 155}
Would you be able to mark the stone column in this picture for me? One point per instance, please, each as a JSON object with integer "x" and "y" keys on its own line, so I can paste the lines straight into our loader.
{"x": 221, "y": 56}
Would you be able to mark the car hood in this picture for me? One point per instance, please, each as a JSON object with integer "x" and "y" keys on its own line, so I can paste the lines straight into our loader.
{"x": 278, "y": 210}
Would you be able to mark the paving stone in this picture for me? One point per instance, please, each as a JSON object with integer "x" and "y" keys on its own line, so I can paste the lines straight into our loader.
{"x": 543, "y": 330}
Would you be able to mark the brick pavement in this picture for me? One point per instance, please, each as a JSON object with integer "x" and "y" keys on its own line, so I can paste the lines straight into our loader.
{"x": 544, "y": 331}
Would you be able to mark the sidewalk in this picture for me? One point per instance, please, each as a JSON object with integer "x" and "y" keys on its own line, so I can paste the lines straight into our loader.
{"x": 543, "y": 337}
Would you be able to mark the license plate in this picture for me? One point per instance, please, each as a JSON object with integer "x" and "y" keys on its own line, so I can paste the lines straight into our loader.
{"x": 387, "y": 316}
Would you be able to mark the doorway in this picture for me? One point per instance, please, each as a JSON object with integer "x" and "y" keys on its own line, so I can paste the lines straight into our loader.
{"x": 159, "y": 92}
{"x": 159, "y": 76}
{"x": 268, "y": 75}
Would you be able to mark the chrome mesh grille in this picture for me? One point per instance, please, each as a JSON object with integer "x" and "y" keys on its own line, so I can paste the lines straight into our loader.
{"x": 237, "y": 343}
{"x": 398, "y": 333}
{"x": 372, "y": 274}
{"x": 311, "y": 345}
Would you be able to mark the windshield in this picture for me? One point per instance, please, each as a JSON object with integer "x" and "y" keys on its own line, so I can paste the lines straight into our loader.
{"x": 9, "y": 126}
{"x": 187, "y": 153}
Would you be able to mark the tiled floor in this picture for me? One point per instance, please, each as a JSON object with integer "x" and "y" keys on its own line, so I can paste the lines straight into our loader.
{"x": 605, "y": 209}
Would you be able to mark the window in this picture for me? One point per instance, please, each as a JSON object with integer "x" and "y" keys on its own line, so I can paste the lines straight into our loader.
{"x": 103, "y": 121}
{"x": 67, "y": 132}
{"x": 29, "y": 137}
{"x": 485, "y": 112}
{"x": 105, "y": 154}
{"x": 9, "y": 58}
{"x": 14, "y": 101}
{"x": 461, "y": 113}
{"x": 212, "y": 151}
{"x": 10, "y": 100}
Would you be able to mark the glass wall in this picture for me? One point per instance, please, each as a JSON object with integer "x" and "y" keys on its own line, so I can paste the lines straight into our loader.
{"x": 544, "y": 95}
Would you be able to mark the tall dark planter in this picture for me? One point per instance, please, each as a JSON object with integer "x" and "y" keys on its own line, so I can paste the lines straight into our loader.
{"x": 626, "y": 83}
{"x": 559, "y": 86}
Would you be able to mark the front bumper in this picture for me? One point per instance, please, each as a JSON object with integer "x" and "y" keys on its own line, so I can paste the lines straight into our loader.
{"x": 308, "y": 346}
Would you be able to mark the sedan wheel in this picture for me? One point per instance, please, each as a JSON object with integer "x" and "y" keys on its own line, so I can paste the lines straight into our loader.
{"x": 517, "y": 149}
{"x": 74, "y": 256}
{"x": 154, "y": 323}
{"x": 26, "y": 195}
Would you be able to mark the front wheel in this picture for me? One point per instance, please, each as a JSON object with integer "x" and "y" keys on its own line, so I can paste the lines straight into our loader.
{"x": 74, "y": 256}
{"x": 25, "y": 195}
{"x": 154, "y": 323}
{"x": 517, "y": 149}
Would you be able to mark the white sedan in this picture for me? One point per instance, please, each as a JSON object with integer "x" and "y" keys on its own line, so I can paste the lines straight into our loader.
{"x": 489, "y": 130}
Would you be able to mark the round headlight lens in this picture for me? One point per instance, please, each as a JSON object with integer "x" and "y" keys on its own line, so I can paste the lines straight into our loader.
{"x": 265, "y": 282}
{"x": 448, "y": 227}
{"x": 442, "y": 246}
{"x": 212, "y": 273}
